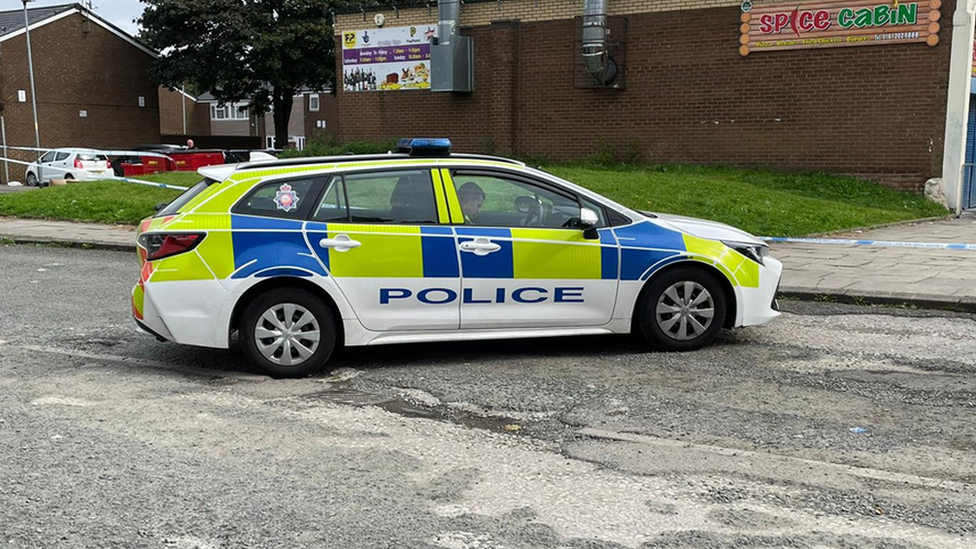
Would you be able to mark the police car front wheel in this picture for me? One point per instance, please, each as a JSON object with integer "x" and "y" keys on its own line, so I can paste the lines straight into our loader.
{"x": 288, "y": 333}
{"x": 681, "y": 310}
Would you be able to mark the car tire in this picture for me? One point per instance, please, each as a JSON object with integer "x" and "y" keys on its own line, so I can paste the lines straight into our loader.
{"x": 68, "y": 176}
{"x": 31, "y": 179}
{"x": 672, "y": 311}
{"x": 288, "y": 307}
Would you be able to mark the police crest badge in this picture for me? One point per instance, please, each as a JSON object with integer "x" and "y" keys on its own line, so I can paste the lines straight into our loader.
{"x": 286, "y": 198}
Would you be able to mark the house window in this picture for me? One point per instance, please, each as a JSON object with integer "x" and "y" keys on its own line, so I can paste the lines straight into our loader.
{"x": 313, "y": 102}
{"x": 237, "y": 111}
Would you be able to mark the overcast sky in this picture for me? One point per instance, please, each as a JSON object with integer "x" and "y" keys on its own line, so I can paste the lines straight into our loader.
{"x": 120, "y": 12}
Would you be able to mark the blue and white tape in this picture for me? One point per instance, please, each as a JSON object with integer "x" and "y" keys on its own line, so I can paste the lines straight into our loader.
{"x": 881, "y": 243}
{"x": 102, "y": 178}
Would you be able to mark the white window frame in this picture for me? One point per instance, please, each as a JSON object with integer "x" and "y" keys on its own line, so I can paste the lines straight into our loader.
{"x": 318, "y": 104}
{"x": 235, "y": 111}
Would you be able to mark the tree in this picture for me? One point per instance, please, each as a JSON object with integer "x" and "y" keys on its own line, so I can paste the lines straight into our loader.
{"x": 260, "y": 51}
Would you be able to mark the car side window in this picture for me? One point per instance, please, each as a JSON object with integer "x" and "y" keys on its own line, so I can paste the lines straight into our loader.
{"x": 495, "y": 201}
{"x": 403, "y": 196}
{"x": 48, "y": 157}
{"x": 332, "y": 207}
{"x": 292, "y": 199}
{"x": 62, "y": 156}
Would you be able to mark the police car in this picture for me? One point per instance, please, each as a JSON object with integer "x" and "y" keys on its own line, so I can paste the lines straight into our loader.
{"x": 301, "y": 256}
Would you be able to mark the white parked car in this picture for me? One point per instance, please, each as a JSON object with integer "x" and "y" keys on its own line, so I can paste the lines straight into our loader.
{"x": 81, "y": 164}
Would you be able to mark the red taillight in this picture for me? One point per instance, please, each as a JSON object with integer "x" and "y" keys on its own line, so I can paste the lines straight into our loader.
{"x": 108, "y": 164}
{"x": 160, "y": 246}
{"x": 79, "y": 165}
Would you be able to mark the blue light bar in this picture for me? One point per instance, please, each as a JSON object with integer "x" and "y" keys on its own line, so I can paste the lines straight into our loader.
{"x": 424, "y": 146}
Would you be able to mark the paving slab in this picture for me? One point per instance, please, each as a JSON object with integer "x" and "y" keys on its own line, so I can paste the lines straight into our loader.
{"x": 40, "y": 231}
{"x": 887, "y": 274}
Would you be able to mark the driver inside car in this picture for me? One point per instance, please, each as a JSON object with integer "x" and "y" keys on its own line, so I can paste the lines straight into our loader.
{"x": 471, "y": 197}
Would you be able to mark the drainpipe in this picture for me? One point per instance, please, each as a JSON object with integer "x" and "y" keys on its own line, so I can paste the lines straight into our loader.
{"x": 957, "y": 104}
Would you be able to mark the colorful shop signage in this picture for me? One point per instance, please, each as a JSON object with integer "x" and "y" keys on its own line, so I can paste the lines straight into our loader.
{"x": 838, "y": 23}
{"x": 386, "y": 59}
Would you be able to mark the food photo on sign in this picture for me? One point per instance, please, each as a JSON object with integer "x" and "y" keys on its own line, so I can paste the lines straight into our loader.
{"x": 387, "y": 59}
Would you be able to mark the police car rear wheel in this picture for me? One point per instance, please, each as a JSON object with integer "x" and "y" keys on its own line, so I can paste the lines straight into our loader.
{"x": 288, "y": 333}
{"x": 682, "y": 310}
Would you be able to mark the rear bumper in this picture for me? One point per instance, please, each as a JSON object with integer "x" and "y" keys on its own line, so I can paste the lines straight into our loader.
{"x": 190, "y": 312}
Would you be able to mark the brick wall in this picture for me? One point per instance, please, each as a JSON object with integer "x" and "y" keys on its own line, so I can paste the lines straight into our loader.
{"x": 171, "y": 114}
{"x": 78, "y": 65}
{"x": 876, "y": 111}
{"x": 328, "y": 112}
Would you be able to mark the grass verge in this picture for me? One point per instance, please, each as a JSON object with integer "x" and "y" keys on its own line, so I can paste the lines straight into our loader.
{"x": 760, "y": 202}
{"x": 111, "y": 202}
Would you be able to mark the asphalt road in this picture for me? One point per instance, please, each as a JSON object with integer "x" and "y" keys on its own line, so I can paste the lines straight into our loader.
{"x": 111, "y": 439}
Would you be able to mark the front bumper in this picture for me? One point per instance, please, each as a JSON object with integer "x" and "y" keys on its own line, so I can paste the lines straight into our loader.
{"x": 758, "y": 305}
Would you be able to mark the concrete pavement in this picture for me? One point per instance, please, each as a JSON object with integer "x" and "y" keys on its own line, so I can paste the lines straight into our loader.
{"x": 922, "y": 277}
{"x": 40, "y": 231}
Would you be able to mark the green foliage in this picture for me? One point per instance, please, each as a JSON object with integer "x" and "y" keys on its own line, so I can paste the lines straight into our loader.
{"x": 330, "y": 147}
{"x": 606, "y": 154}
{"x": 261, "y": 51}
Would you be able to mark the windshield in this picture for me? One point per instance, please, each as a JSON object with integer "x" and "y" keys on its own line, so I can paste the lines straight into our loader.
{"x": 89, "y": 157}
{"x": 187, "y": 196}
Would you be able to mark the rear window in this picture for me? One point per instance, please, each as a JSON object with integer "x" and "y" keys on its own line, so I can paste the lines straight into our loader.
{"x": 89, "y": 157}
{"x": 187, "y": 196}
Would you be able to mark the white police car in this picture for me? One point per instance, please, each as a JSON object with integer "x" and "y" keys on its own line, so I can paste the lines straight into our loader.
{"x": 301, "y": 256}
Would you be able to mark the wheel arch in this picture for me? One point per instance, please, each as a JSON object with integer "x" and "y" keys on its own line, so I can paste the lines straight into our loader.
{"x": 291, "y": 282}
{"x": 731, "y": 302}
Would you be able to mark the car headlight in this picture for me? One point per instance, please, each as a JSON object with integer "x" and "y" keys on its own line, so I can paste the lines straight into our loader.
{"x": 755, "y": 252}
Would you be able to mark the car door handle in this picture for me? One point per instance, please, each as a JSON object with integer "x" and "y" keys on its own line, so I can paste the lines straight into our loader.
{"x": 340, "y": 243}
{"x": 480, "y": 246}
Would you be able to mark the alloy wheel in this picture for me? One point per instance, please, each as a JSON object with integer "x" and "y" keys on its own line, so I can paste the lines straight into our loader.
{"x": 287, "y": 334}
{"x": 685, "y": 310}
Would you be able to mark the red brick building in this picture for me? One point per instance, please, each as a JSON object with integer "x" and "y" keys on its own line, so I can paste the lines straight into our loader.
{"x": 92, "y": 81}
{"x": 685, "y": 93}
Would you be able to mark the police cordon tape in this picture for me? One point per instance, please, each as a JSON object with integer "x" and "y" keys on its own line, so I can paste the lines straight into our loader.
{"x": 881, "y": 243}
{"x": 98, "y": 151}
{"x": 102, "y": 178}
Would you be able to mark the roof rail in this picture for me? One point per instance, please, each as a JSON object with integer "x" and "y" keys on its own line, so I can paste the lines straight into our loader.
{"x": 304, "y": 161}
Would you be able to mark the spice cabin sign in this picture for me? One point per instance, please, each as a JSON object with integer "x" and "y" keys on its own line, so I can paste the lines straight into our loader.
{"x": 838, "y": 23}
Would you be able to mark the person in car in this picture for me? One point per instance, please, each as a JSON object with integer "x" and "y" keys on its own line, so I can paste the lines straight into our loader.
{"x": 471, "y": 197}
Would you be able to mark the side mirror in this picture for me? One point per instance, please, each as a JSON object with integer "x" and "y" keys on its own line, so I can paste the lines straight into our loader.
{"x": 588, "y": 222}
{"x": 160, "y": 206}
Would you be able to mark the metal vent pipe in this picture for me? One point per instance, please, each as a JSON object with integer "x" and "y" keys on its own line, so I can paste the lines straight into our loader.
{"x": 448, "y": 14}
{"x": 596, "y": 59}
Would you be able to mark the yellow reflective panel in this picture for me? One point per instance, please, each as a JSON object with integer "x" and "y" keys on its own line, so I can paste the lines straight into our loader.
{"x": 555, "y": 254}
{"x": 739, "y": 269}
{"x": 187, "y": 266}
{"x": 442, "y": 215}
{"x": 217, "y": 250}
{"x": 457, "y": 216}
{"x": 397, "y": 254}
{"x": 138, "y": 299}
